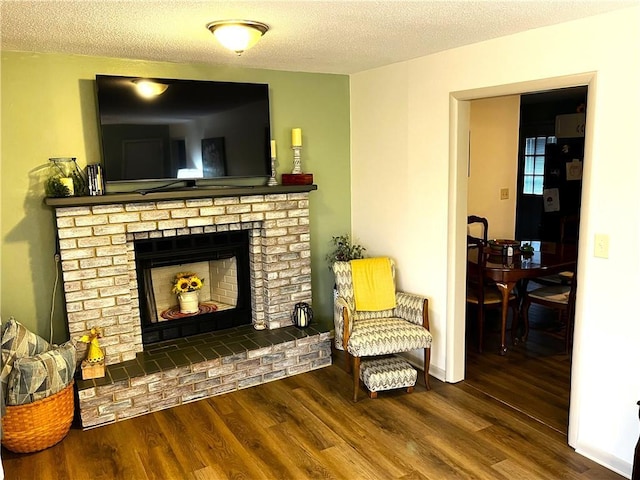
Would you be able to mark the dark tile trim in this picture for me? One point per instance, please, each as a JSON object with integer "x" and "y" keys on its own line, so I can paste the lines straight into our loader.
{"x": 200, "y": 348}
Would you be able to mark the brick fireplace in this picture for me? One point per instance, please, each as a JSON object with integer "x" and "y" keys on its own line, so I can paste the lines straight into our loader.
{"x": 96, "y": 237}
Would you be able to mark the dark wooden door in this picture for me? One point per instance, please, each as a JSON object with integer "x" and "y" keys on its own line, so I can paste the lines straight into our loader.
{"x": 538, "y": 121}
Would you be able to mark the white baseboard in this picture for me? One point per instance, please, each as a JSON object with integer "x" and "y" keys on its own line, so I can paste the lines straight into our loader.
{"x": 607, "y": 460}
{"x": 417, "y": 360}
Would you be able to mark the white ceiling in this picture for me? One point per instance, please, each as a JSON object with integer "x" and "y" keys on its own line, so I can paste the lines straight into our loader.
{"x": 307, "y": 36}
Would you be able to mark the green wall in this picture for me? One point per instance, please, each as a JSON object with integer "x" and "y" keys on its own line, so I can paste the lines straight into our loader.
{"x": 48, "y": 110}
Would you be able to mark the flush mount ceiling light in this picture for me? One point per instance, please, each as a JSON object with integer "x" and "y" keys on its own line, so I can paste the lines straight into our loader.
{"x": 149, "y": 88}
{"x": 238, "y": 35}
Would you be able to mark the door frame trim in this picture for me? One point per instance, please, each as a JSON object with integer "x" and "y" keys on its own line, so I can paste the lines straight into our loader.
{"x": 459, "y": 103}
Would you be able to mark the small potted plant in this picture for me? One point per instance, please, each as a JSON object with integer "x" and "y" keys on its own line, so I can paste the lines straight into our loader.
{"x": 344, "y": 250}
{"x": 186, "y": 286}
{"x": 526, "y": 249}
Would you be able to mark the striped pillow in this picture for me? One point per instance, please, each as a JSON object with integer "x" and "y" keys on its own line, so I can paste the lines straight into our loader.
{"x": 37, "y": 377}
{"x": 17, "y": 342}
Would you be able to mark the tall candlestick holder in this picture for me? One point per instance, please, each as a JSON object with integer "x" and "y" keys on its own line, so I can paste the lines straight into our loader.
{"x": 273, "y": 181}
{"x": 297, "y": 167}
{"x": 296, "y": 177}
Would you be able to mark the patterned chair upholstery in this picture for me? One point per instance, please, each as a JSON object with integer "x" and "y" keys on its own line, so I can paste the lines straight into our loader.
{"x": 369, "y": 334}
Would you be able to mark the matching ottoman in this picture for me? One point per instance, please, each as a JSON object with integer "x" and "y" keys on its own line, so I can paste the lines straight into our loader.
{"x": 386, "y": 374}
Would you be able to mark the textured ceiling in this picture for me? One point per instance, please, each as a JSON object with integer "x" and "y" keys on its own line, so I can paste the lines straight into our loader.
{"x": 308, "y": 36}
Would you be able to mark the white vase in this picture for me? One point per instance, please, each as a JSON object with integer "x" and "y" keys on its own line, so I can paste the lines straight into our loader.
{"x": 188, "y": 302}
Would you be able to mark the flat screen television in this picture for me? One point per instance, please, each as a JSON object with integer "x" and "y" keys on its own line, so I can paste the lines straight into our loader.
{"x": 193, "y": 130}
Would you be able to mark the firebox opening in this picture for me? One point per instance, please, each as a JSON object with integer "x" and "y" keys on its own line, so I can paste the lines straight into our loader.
{"x": 219, "y": 290}
{"x": 220, "y": 259}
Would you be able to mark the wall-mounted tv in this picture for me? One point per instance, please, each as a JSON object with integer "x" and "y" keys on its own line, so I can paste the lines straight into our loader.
{"x": 193, "y": 130}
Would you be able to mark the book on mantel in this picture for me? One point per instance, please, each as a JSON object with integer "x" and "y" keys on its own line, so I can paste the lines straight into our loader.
{"x": 95, "y": 179}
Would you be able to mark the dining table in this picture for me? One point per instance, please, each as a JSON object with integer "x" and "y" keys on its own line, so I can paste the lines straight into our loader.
{"x": 509, "y": 271}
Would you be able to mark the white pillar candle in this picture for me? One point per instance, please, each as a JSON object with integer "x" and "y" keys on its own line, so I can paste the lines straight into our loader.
{"x": 273, "y": 149}
{"x": 296, "y": 137}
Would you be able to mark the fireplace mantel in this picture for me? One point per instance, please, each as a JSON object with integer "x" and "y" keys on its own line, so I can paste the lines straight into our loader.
{"x": 177, "y": 194}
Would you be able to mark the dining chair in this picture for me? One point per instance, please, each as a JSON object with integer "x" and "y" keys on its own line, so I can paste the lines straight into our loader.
{"x": 482, "y": 293}
{"x": 474, "y": 222}
{"x": 561, "y": 298}
{"x": 569, "y": 226}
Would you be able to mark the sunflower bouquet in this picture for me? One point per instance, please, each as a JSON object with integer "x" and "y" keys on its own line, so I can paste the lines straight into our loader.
{"x": 186, "y": 282}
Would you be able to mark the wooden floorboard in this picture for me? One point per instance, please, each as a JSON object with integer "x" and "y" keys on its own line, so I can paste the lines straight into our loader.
{"x": 307, "y": 427}
{"x": 534, "y": 377}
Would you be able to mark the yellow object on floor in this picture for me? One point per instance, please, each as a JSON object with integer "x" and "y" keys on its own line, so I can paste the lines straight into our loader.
{"x": 373, "y": 286}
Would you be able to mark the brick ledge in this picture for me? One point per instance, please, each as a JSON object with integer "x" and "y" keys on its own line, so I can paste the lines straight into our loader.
{"x": 173, "y": 373}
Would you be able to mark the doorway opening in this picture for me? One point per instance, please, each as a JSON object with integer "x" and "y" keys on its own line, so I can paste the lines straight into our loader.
{"x": 545, "y": 176}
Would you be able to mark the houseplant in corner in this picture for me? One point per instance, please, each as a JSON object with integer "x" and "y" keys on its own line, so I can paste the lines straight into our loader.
{"x": 344, "y": 250}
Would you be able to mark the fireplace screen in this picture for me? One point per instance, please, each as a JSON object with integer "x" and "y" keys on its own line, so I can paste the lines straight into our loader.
{"x": 220, "y": 260}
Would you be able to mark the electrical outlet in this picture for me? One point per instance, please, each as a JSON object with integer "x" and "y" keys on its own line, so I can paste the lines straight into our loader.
{"x": 601, "y": 247}
{"x": 504, "y": 194}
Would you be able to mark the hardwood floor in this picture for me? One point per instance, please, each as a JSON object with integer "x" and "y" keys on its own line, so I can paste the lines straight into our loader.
{"x": 534, "y": 378}
{"x": 307, "y": 427}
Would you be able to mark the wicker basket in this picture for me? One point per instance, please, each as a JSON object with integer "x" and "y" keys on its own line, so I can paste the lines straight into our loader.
{"x": 35, "y": 426}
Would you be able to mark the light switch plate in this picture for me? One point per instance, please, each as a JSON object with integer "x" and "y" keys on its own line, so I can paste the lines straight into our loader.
{"x": 504, "y": 194}
{"x": 601, "y": 247}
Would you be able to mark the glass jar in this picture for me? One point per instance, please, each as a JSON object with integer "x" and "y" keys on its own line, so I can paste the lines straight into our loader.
{"x": 65, "y": 179}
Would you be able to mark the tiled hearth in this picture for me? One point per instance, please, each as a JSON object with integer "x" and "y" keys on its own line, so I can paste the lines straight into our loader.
{"x": 172, "y": 373}
{"x": 96, "y": 238}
